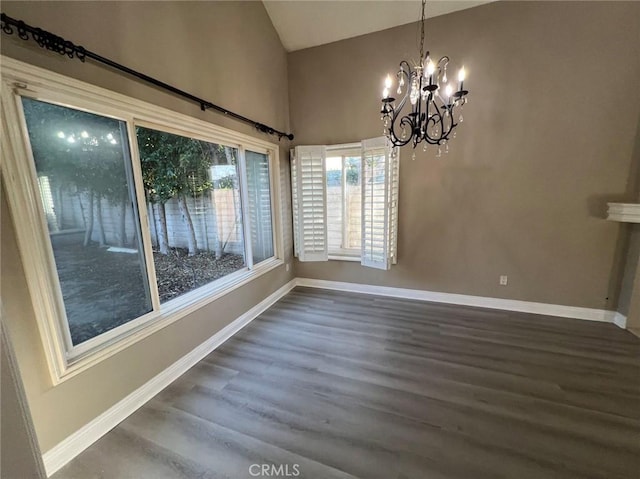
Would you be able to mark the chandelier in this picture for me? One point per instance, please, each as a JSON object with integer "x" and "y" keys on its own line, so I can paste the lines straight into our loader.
{"x": 434, "y": 102}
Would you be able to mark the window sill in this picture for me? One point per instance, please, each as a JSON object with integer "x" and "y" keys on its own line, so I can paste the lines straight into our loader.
{"x": 83, "y": 358}
{"x": 339, "y": 257}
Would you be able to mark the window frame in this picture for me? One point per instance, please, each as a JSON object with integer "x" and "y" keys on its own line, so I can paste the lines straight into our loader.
{"x": 344, "y": 254}
{"x": 274, "y": 211}
{"x": 20, "y": 179}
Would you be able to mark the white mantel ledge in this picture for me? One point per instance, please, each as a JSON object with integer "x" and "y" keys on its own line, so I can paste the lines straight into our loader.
{"x": 624, "y": 212}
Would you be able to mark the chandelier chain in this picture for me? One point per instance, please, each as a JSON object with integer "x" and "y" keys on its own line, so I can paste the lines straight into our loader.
{"x": 424, "y": 4}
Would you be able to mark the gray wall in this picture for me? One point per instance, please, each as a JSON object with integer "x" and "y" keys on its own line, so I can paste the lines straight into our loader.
{"x": 547, "y": 139}
{"x": 226, "y": 52}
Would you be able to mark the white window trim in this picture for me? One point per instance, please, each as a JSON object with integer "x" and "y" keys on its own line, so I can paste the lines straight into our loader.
{"x": 339, "y": 257}
{"x": 31, "y": 229}
{"x": 345, "y": 148}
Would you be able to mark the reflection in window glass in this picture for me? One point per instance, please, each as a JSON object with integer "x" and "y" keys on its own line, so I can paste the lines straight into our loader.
{"x": 84, "y": 177}
{"x": 195, "y": 216}
{"x": 259, "y": 207}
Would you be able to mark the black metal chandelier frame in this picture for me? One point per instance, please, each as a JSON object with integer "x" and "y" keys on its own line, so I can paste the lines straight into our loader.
{"x": 431, "y": 118}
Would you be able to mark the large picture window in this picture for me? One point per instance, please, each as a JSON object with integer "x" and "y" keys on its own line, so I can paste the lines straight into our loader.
{"x": 126, "y": 223}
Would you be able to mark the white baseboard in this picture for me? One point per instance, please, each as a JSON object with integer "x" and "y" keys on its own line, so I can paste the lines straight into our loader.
{"x": 65, "y": 451}
{"x": 620, "y": 320}
{"x": 589, "y": 314}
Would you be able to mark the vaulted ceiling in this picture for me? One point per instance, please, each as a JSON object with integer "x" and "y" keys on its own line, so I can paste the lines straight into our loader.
{"x": 308, "y": 23}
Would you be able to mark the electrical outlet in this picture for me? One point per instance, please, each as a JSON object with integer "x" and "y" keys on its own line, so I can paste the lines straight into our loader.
{"x": 286, "y": 267}
{"x": 504, "y": 280}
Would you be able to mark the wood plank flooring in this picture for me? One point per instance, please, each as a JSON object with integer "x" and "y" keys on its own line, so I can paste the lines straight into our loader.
{"x": 345, "y": 385}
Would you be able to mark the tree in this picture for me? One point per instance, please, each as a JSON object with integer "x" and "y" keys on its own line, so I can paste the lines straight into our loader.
{"x": 174, "y": 166}
{"x": 156, "y": 186}
{"x": 352, "y": 166}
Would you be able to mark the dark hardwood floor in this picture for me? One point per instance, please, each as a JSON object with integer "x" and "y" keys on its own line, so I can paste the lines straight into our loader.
{"x": 345, "y": 385}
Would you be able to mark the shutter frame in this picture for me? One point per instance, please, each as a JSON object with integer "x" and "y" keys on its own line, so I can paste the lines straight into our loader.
{"x": 310, "y": 198}
{"x": 379, "y": 203}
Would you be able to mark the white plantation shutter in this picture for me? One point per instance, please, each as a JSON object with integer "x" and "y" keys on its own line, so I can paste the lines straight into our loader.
{"x": 294, "y": 200}
{"x": 309, "y": 195}
{"x": 394, "y": 185}
{"x": 379, "y": 203}
{"x": 286, "y": 213}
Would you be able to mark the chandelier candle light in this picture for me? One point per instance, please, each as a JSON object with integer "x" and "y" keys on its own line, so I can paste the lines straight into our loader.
{"x": 434, "y": 102}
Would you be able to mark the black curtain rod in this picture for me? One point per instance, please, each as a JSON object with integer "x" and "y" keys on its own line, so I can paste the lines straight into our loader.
{"x": 54, "y": 43}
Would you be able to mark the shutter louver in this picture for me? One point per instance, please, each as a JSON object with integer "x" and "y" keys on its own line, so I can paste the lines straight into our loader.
{"x": 310, "y": 199}
{"x": 379, "y": 206}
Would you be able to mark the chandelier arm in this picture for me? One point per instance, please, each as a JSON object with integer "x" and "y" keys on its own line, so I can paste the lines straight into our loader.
{"x": 441, "y": 120}
{"x": 452, "y": 125}
{"x": 397, "y": 110}
{"x": 406, "y": 72}
{"x": 436, "y": 118}
{"x": 424, "y": 121}
{"x": 418, "y": 111}
{"x": 445, "y": 58}
{"x": 405, "y": 63}
{"x": 406, "y": 122}
{"x": 434, "y": 121}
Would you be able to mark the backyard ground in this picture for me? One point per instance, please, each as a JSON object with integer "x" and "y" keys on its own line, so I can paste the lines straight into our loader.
{"x": 178, "y": 273}
{"x": 104, "y": 289}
